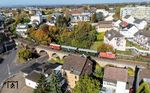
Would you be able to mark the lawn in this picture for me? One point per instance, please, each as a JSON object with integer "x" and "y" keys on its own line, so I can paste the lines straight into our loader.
{"x": 127, "y": 52}
{"x": 96, "y": 44}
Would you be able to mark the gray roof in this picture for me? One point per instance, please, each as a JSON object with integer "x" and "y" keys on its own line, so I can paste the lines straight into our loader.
{"x": 115, "y": 74}
{"x": 75, "y": 64}
{"x": 34, "y": 76}
{"x": 29, "y": 69}
{"x": 138, "y": 21}
{"x": 47, "y": 67}
{"x": 127, "y": 16}
{"x": 112, "y": 33}
{"x": 105, "y": 24}
{"x": 145, "y": 33}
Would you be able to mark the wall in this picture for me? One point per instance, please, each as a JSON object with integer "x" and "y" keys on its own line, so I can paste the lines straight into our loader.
{"x": 71, "y": 78}
{"x": 30, "y": 83}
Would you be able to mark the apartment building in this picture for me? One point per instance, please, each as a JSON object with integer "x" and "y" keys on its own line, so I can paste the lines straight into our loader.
{"x": 140, "y": 12}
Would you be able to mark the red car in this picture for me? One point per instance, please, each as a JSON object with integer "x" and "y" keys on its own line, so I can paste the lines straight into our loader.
{"x": 55, "y": 46}
{"x": 108, "y": 55}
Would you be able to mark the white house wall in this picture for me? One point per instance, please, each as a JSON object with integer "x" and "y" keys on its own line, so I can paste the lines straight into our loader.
{"x": 30, "y": 83}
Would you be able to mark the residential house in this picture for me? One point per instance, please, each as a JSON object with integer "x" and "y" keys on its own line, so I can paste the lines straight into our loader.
{"x": 21, "y": 30}
{"x": 128, "y": 19}
{"x": 33, "y": 73}
{"x": 123, "y": 24}
{"x": 36, "y": 19}
{"x": 143, "y": 38}
{"x": 129, "y": 31}
{"x": 31, "y": 80}
{"x": 105, "y": 13}
{"x": 74, "y": 67}
{"x": 109, "y": 18}
{"x": 115, "y": 39}
{"x": 116, "y": 24}
{"x": 115, "y": 80}
{"x": 104, "y": 26}
{"x": 140, "y": 23}
{"x": 77, "y": 16}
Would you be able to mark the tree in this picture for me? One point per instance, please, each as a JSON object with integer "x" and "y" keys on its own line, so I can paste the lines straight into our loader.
{"x": 54, "y": 32}
{"x": 144, "y": 88}
{"x": 24, "y": 54}
{"x": 99, "y": 71}
{"x": 117, "y": 13}
{"x": 42, "y": 85}
{"x": 53, "y": 85}
{"x": 63, "y": 21}
{"x": 87, "y": 85}
{"x": 82, "y": 36}
{"x": 94, "y": 18}
{"x": 41, "y": 36}
{"x": 99, "y": 16}
{"x": 100, "y": 36}
{"x": 105, "y": 48}
{"x": 44, "y": 27}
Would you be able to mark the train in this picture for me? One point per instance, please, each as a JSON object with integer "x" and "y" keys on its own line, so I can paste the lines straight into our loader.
{"x": 108, "y": 55}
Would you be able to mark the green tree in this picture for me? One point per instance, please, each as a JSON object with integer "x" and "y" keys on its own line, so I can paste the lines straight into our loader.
{"x": 60, "y": 21}
{"x": 82, "y": 35}
{"x": 94, "y": 18}
{"x": 42, "y": 85}
{"x": 53, "y": 85}
{"x": 100, "y": 36}
{"x": 63, "y": 21}
{"x": 99, "y": 16}
{"x": 87, "y": 85}
{"x": 99, "y": 71}
{"x": 24, "y": 54}
{"x": 144, "y": 88}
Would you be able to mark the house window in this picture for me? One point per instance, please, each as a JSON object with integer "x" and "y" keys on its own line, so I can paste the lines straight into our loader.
{"x": 75, "y": 77}
{"x": 75, "y": 82}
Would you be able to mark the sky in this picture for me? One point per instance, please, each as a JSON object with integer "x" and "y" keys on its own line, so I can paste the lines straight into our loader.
{"x": 54, "y": 2}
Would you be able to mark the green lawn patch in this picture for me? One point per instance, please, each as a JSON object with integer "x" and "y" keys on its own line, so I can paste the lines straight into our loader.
{"x": 127, "y": 52}
{"x": 96, "y": 44}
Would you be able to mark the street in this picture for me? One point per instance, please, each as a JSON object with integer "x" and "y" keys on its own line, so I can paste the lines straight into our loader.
{"x": 9, "y": 66}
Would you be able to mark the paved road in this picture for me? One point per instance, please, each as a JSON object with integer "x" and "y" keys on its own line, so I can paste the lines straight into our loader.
{"x": 9, "y": 66}
{"x": 8, "y": 62}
